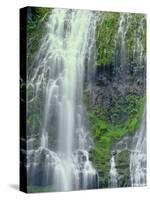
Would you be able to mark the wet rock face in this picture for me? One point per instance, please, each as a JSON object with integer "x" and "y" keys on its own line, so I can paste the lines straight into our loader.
{"x": 121, "y": 152}
{"x": 112, "y": 86}
{"x": 130, "y": 158}
{"x": 116, "y": 90}
{"x": 123, "y": 168}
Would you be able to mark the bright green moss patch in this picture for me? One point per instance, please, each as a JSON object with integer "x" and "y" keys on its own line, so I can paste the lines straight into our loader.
{"x": 107, "y": 37}
{"x": 36, "y": 19}
{"x": 105, "y": 134}
{"x": 106, "y": 30}
{"x": 136, "y": 33}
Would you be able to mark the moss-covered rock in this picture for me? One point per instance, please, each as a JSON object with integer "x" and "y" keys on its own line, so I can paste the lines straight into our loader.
{"x": 109, "y": 40}
{"x": 107, "y": 27}
{"x": 123, "y": 167}
{"x": 118, "y": 93}
{"x": 36, "y": 20}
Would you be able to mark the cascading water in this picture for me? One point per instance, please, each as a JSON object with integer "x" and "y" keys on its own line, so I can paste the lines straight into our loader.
{"x": 59, "y": 74}
{"x": 138, "y": 156}
{"x": 120, "y": 39}
{"x": 136, "y": 148}
{"x": 113, "y": 173}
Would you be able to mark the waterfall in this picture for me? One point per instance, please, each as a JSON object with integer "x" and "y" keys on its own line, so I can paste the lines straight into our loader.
{"x": 113, "y": 173}
{"x": 120, "y": 40}
{"x": 138, "y": 148}
{"x": 57, "y": 76}
{"x": 131, "y": 168}
{"x": 138, "y": 156}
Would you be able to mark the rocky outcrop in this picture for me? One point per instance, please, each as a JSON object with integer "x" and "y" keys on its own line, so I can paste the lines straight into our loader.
{"x": 130, "y": 158}
{"x": 114, "y": 87}
{"x": 123, "y": 168}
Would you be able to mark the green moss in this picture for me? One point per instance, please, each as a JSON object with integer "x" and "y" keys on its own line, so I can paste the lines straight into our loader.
{"x": 122, "y": 157}
{"x": 36, "y": 27}
{"x": 133, "y": 34}
{"x": 105, "y": 133}
{"x": 107, "y": 36}
{"x": 101, "y": 160}
{"x": 107, "y": 27}
{"x": 35, "y": 30}
{"x": 135, "y": 109}
{"x": 122, "y": 164}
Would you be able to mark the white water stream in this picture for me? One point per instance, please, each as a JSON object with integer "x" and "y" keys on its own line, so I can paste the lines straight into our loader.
{"x": 113, "y": 173}
{"x": 60, "y": 72}
{"x": 138, "y": 156}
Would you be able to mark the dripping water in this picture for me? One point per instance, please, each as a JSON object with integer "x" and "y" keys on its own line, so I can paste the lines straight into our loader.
{"x": 138, "y": 156}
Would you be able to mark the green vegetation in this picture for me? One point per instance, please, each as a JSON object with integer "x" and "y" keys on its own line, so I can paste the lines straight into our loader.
{"x": 110, "y": 122}
{"x": 133, "y": 34}
{"x": 122, "y": 161}
{"x": 105, "y": 133}
{"x": 106, "y": 28}
{"x": 35, "y": 29}
{"x": 108, "y": 41}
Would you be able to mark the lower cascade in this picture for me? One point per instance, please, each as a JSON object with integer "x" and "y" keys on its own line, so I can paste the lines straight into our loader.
{"x": 113, "y": 173}
{"x": 138, "y": 156}
{"x": 135, "y": 155}
{"x": 60, "y": 74}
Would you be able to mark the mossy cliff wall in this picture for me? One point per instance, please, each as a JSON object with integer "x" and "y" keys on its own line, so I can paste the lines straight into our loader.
{"x": 36, "y": 28}
{"x": 116, "y": 101}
